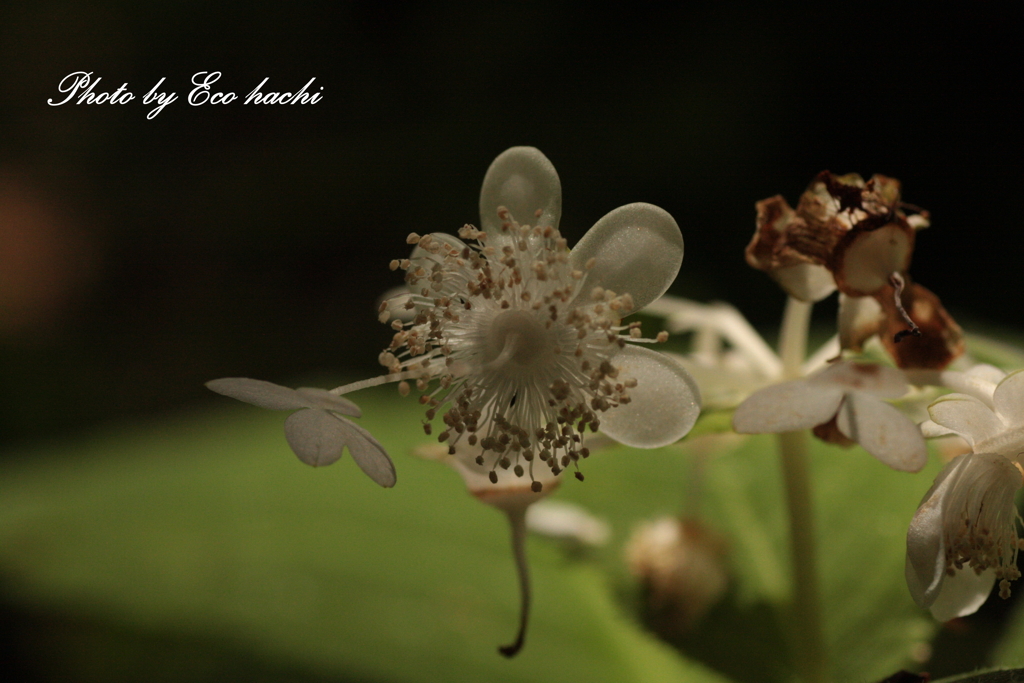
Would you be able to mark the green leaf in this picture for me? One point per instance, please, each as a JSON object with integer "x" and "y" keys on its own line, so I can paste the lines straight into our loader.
{"x": 206, "y": 531}
{"x": 1010, "y": 649}
{"x": 862, "y": 513}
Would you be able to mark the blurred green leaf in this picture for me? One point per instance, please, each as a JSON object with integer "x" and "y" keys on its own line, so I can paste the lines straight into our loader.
{"x": 862, "y": 512}
{"x": 207, "y": 528}
{"x": 1010, "y": 649}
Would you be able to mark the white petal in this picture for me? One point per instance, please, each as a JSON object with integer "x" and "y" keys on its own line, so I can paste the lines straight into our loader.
{"x": 664, "y": 405}
{"x": 568, "y": 521}
{"x": 882, "y": 431}
{"x": 805, "y": 281}
{"x": 325, "y": 400}
{"x": 986, "y": 372}
{"x": 965, "y": 415}
{"x": 316, "y": 436}
{"x": 637, "y": 250}
{"x": 787, "y": 407}
{"x": 962, "y": 594}
{"x": 1008, "y": 399}
{"x": 368, "y": 454}
{"x": 877, "y": 380}
{"x": 926, "y": 552}
{"x": 523, "y": 181}
{"x": 931, "y": 430}
{"x": 258, "y": 393}
{"x": 860, "y": 317}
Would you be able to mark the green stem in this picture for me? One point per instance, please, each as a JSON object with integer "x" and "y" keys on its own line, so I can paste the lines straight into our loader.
{"x": 810, "y": 647}
{"x": 807, "y": 624}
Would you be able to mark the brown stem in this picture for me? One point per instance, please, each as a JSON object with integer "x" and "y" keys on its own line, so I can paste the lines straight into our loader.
{"x": 517, "y": 520}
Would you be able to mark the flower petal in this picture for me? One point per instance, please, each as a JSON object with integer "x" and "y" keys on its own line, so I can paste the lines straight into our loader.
{"x": 882, "y": 431}
{"x": 962, "y": 594}
{"x": 663, "y": 407}
{"x": 787, "y": 407}
{"x": 524, "y": 181}
{"x": 931, "y": 430}
{"x": 860, "y": 317}
{"x": 637, "y": 250}
{"x": 965, "y": 415}
{"x": 368, "y": 454}
{"x": 316, "y": 436}
{"x": 1008, "y": 399}
{"x": 926, "y": 552}
{"x": 877, "y": 380}
{"x": 805, "y": 281}
{"x": 325, "y": 400}
{"x": 259, "y": 393}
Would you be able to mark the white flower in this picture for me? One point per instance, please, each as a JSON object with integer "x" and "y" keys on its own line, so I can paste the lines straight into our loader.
{"x": 524, "y": 336}
{"x": 317, "y": 432}
{"x": 843, "y": 401}
{"x": 964, "y": 537}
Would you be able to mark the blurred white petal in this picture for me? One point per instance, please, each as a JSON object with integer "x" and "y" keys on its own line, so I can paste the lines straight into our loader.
{"x": 258, "y": 393}
{"x": 787, "y": 407}
{"x": 883, "y": 431}
{"x": 931, "y": 430}
{"x": 805, "y": 281}
{"x": 965, "y": 415}
{"x": 568, "y": 521}
{"x": 325, "y": 400}
{"x": 878, "y": 380}
{"x": 1008, "y": 399}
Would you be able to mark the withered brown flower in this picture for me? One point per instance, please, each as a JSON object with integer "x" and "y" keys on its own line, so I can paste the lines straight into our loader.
{"x": 857, "y": 237}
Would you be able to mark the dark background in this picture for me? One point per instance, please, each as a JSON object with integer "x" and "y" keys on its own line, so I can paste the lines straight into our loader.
{"x": 140, "y": 258}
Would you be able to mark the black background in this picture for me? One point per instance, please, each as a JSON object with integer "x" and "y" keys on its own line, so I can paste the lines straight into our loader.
{"x": 140, "y": 258}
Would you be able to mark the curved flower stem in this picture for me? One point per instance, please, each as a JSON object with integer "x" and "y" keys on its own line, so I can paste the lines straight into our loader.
{"x": 806, "y": 615}
{"x": 517, "y": 520}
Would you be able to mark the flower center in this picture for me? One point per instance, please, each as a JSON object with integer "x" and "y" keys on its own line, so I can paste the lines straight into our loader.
{"x": 516, "y": 341}
{"x": 982, "y": 532}
{"x": 522, "y": 348}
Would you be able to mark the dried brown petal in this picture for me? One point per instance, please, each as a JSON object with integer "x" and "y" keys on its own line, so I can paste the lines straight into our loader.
{"x": 941, "y": 340}
{"x": 855, "y": 229}
{"x": 790, "y": 251}
{"x": 829, "y": 433}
